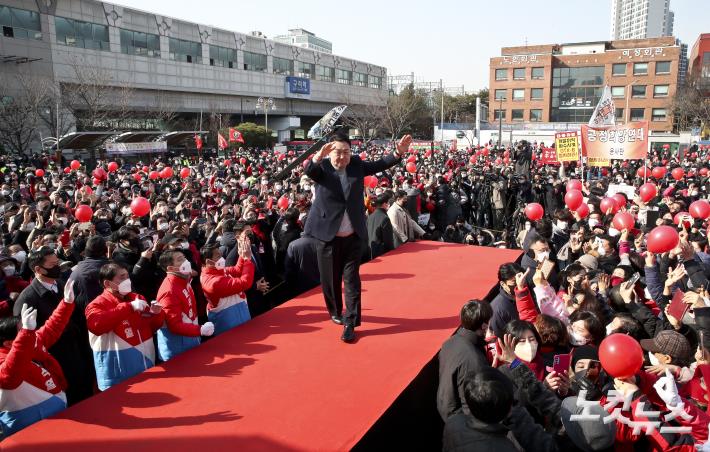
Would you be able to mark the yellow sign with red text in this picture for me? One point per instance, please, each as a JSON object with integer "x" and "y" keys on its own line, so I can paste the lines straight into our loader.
{"x": 567, "y": 146}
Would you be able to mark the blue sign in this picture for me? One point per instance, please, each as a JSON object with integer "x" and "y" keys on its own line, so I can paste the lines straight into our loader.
{"x": 298, "y": 85}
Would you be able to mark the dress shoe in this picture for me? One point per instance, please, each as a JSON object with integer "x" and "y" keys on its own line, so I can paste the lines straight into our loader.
{"x": 348, "y": 334}
{"x": 337, "y": 319}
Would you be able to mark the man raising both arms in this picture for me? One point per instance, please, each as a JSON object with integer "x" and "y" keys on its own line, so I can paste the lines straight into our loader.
{"x": 337, "y": 221}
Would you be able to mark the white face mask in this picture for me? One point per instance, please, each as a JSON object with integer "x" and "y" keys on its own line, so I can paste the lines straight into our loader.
{"x": 542, "y": 256}
{"x": 20, "y": 256}
{"x": 652, "y": 358}
{"x": 562, "y": 225}
{"x": 526, "y": 351}
{"x": 306, "y": 187}
{"x": 593, "y": 222}
{"x": 5, "y": 192}
{"x": 9, "y": 270}
{"x": 614, "y": 232}
{"x": 602, "y": 251}
{"x": 528, "y": 226}
{"x": 577, "y": 339}
{"x": 186, "y": 267}
{"x": 185, "y": 246}
{"x": 124, "y": 288}
{"x": 30, "y": 226}
{"x": 220, "y": 263}
{"x": 278, "y": 187}
{"x": 70, "y": 192}
{"x": 162, "y": 226}
{"x": 609, "y": 329}
{"x": 64, "y": 221}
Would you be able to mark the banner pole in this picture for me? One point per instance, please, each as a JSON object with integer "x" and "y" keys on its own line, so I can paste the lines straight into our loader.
{"x": 579, "y": 153}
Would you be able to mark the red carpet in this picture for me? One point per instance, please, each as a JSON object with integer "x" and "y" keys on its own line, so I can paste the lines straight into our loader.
{"x": 285, "y": 381}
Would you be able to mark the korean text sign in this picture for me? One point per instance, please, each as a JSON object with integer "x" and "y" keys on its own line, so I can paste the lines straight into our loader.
{"x": 567, "y": 146}
{"x": 625, "y": 142}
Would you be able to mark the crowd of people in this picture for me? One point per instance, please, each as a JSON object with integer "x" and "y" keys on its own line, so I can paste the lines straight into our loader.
{"x": 86, "y": 303}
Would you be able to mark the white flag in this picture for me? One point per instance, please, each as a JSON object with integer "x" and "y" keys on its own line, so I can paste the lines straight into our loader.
{"x": 605, "y": 113}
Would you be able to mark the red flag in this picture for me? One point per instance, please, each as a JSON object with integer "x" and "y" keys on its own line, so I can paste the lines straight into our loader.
{"x": 235, "y": 135}
{"x": 198, "y": 142}
{"x": 221, "y": 142}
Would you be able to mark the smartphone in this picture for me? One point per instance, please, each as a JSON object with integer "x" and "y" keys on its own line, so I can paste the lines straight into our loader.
{"x": 677, "y": 308}
{"x": 560, "y": 363}
{"x": 85, "y": 226}
{"x": 593, "y": 371}
{"x": 634, "y": 278}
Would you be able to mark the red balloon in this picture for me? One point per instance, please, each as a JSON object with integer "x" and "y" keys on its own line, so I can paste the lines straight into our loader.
{"x": 39, "y": 172}
{"x": 411, "y": 167}
{"x": 140, "y": 206}
{"x": 363, "y": 155}
{"x": 138, "y": 177}
{"x": 145, "y": 169}
{"x": 87, "y": 189}
{"x": 99, "y": 173}
{"x": 666, "y": 146}
{"x": 243, "y": 161}
{"x": 185, "y": 173}
{"x": 485, "y": 152}
{"x": 658, "y": 172}
{"x": 647, "y": 192}
{"x": 623, "y": 220}
{"x": 283, "y": 203}
{"x": 677, "y": 173}
{"x": 534, "y": 211}
{"x": 67, "y": 170}
{"x": 608, "y": 204}
{"x": 620, "y": 200}
{"x": 167, "y": 173}
{"x": 227, "y": 162}
{"x": 574, "y": 184}
{"x": 643, "y": 171}
{"x": 574, "y": 199}
{"x": 583, "y": 210}
{"x": 678, "y": 216}
{"x": 662, "y": 239}
{"x": 620, "y": 355}
{"x": 506, "y": 153}
{"x": 83, "y": 213}
{"x": 153, "y": 175}
{"x": 411, "y": 159}
{"x": 703, "y": 172}
{"x": 75, "y": 164}
{"x": 371, "y": 181}
{"x": 700, "y": 209}
{"x": 472, "y": 160}
{"x": 112, "y": 167}
{"x": 97, "y": 181}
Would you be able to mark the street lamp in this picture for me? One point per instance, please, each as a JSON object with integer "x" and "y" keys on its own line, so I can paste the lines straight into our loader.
{"x": 627, "y": 115}
{"x": 266, "y": 103}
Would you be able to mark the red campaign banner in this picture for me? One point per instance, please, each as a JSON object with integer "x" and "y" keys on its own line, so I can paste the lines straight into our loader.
{"x": 623, "y": 142}
{"x": 549, "y": 156}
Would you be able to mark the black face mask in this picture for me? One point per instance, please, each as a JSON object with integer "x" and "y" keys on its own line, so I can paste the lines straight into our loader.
{"x": 53, "y": 272}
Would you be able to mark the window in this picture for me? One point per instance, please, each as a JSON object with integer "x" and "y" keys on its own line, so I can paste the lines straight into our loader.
{"x": 375, "y": 81}
{"x": 636, "y": 114}
{"x": 663, "y": 67}
{"x": 518, "y": 94}
{"x": 618, "y": 69}
{"x": 575, "y": 93}
{"x": 283, "y": 66}
{"x": 359, "y": 79}
{"x": 325, "y": 74}
{"x": 305, "y": 70}
{"x": 617, "y": 91}
{"x": 658, "y": 114}
{"x": 223, "y": 57}
{"x": 517, "y": 115}
{"x": 138, "y": 43}
{"x": 500, "y": 94}
{"x": 536, "y": 93}
{"x": 638, "y": 90}
{"x": 185, "y": 51}
{"x": 640, "y": 68}
{"x": 501, "y": 74}
{"x": 619, "y": 113}
{"x": 499, "y": 114}
{"x": 20, "y": 23}
{"x": 344, "y": 77}
{"x": 536, "y": 115}
{"x": 77, "y": 33}
{"x": 519, "y": 73}
{"x": 660, "y": 91}
{"x": 538, "y": 73}
{"x": 254, "y": 62}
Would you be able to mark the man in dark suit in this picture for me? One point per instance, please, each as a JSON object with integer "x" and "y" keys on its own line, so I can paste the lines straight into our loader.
{"x": 379, "y": 229}
{"x": 337, "y": 221}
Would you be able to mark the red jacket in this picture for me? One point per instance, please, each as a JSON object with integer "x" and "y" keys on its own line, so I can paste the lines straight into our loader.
{"x": 178, "y": 301}
{"x": 219, "y": 283}
{"x": 109, "y": 313}
{"x": 28, "y": 359}
{"x": 12, "y": 284}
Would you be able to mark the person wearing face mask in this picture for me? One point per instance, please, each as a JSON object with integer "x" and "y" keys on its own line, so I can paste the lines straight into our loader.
{"x": 404, "y": 227}
{"x": 225, "y": 287}
{"x": 12, "y": 285}
{"x": 503, "y": 305}
{"x": 462, "y": 354}
{"x": 539, "y": 253}
{"x": 181, "y": 331}
{"x": 70, "y": 350}
{"x": 121, "y": 325}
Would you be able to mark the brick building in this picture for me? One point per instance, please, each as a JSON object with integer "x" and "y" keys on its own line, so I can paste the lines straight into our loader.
{"x": 562, "y": 83}
{"x": 700, "y": 61}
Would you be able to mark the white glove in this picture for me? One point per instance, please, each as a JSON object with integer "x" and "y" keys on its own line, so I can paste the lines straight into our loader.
{"x": 207, "y": 329}
{"x": 668, "y": 392}
{"x": 705, "y": 447}
{"x": 29, "y": 317}
{"x": 69, "y": 291}
{"x": 139, "y": 305}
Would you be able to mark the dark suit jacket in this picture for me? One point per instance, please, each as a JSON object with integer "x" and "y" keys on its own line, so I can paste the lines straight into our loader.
{"x": 380, "y": 234}
{"x": 330, "y": 204}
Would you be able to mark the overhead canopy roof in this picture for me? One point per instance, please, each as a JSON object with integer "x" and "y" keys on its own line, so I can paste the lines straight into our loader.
{"x": 93, "y": 140}
{"x": 84, "y": 140}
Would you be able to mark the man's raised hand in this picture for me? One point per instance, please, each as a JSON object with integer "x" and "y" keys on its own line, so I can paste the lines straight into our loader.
{"x": 403, "y": 144}
{"x": 325, "y": 150}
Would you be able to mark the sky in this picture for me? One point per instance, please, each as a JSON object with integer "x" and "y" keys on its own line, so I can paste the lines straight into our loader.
{"x": 446, "y": 39}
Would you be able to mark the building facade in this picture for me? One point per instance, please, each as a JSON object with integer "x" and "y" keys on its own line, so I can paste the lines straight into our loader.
{"x": 303, "y": 38}
{"x": 562, "y": 83}
{"x": 641, "y": 19}
{"x": 700, "y": 61}
{"x": 187, "y": 67}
